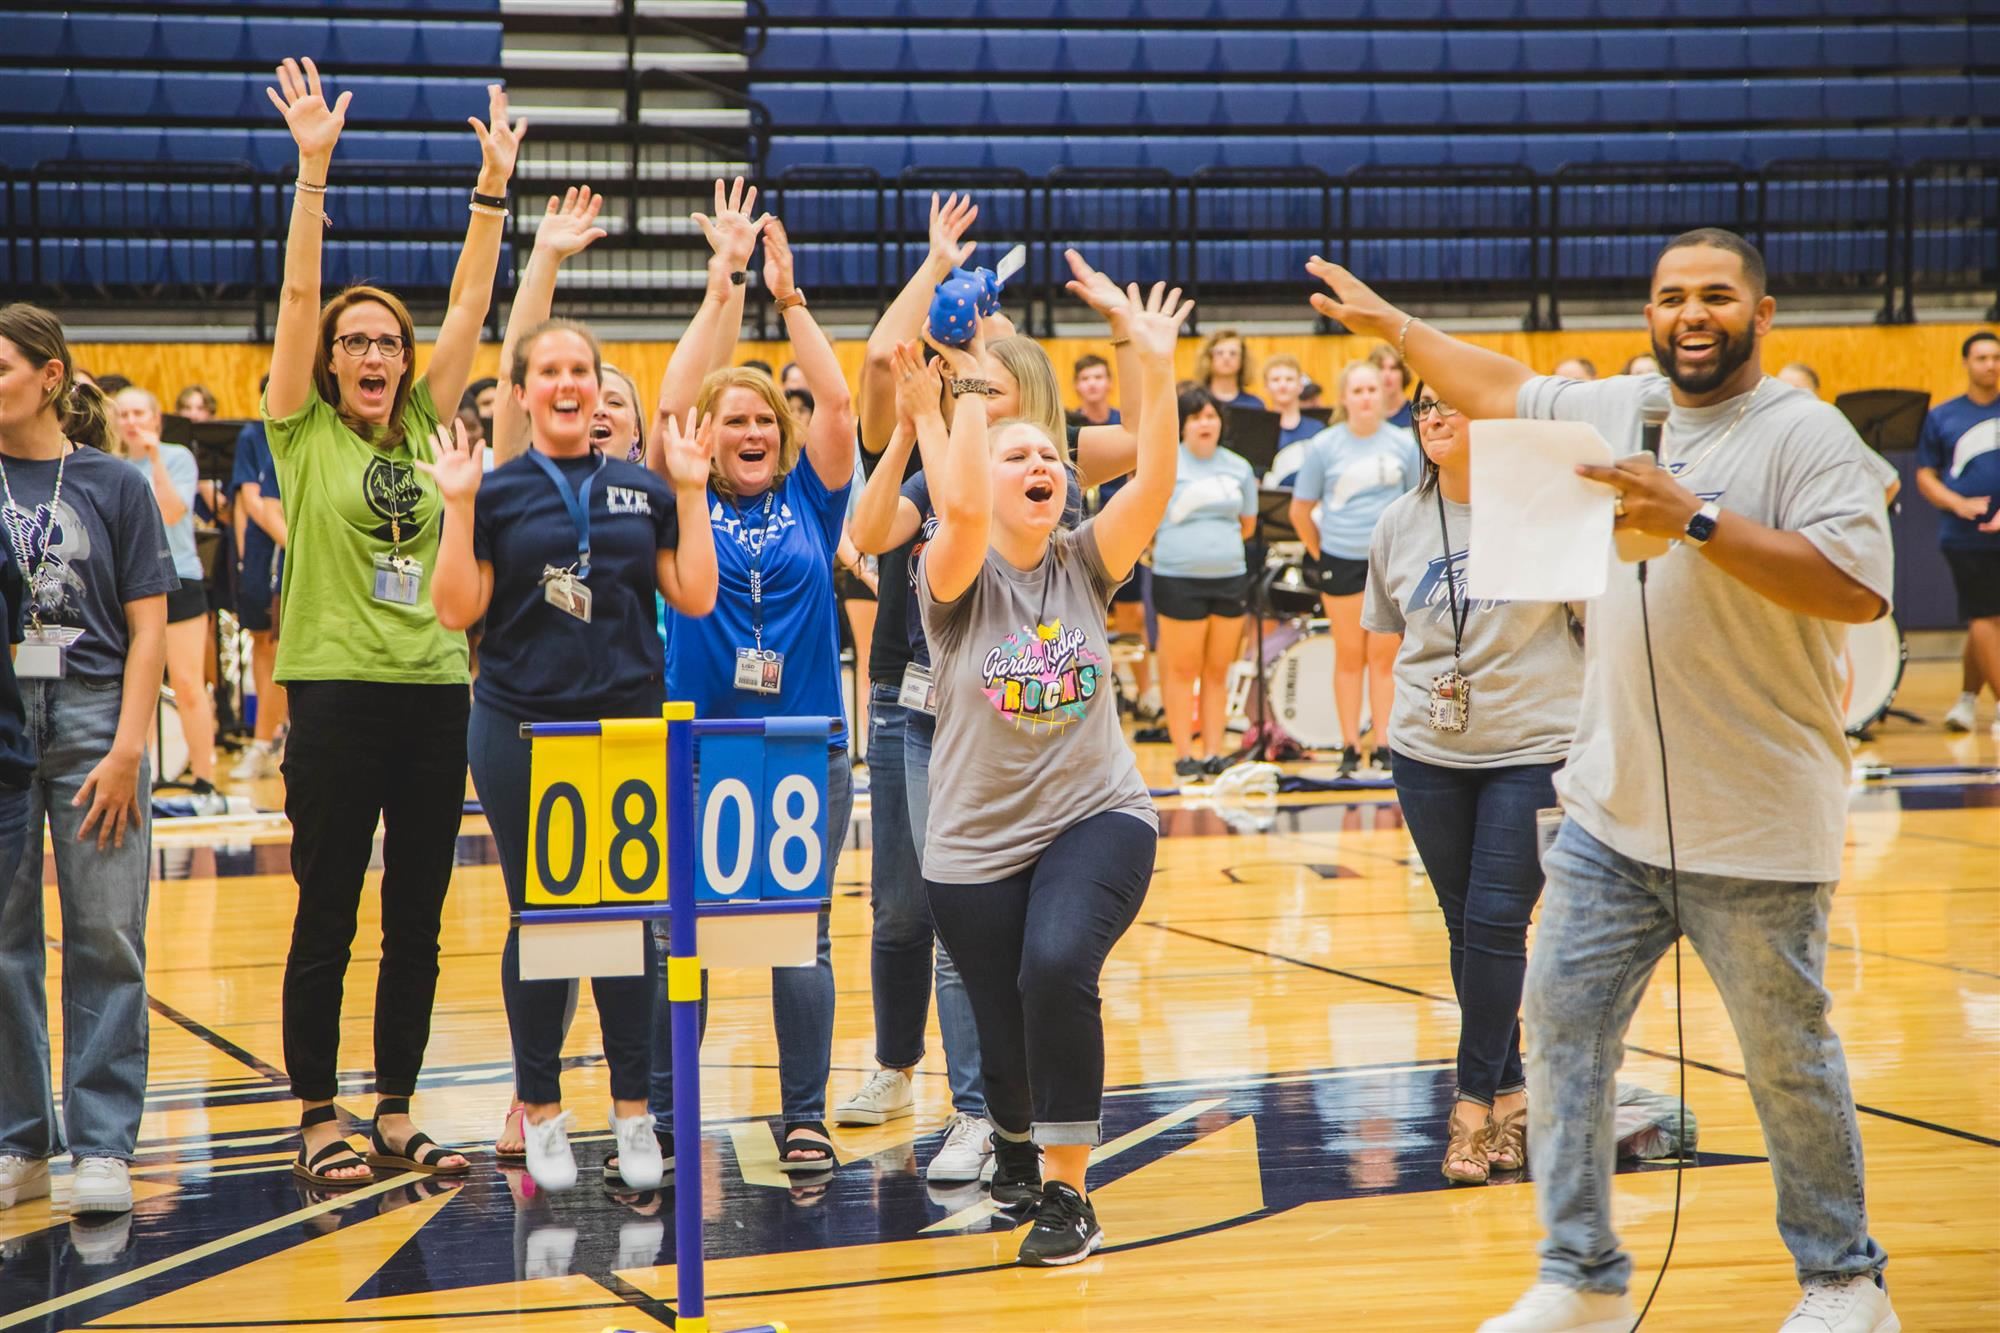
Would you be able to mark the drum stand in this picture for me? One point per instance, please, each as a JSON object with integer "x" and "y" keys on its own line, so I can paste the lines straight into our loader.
{"x": 1273, "y": 523}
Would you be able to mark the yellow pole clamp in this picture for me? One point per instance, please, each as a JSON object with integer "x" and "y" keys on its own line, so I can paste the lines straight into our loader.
{"x": 684, "y": 978}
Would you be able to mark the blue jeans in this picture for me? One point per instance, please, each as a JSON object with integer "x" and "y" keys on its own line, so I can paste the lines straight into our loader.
{"x": 72, "y": 723}
{"x": 801, "y": 997}
{"x": 1606, "y": 921}
{"x": 1475, "y": 830}
{"x": 900, "y": 966}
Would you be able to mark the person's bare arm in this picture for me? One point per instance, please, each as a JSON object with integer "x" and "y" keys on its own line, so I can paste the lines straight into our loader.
{"x": 1301, "y": 512}
{"x": 315, "y": 129}
{"x": 875, "y": 510}
{"x": 710, "y": 339}
{"x": 961, "y": 480}
{"x": 1105, "y": 453}
{"x": 904, "y": 320}
{"x": 1931, "y": 486}
{"x": 686, "y": 574}
{"x": 462, "y": 583}
{"x": 472, "y": 280}
{"x": 568, "y": 228}
{"x": 110, "y": 794}
{"x": 1126, "y": 526}
{"x": 830, "y": 437}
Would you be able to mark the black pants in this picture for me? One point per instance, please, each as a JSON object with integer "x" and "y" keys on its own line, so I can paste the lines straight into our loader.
{"x": 537, "y": 1011}
{"x": 1030, "y": 948}
{"x": 359, "y": 750}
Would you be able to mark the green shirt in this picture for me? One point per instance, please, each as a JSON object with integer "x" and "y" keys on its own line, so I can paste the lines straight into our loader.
{"x": 340, "y": 492}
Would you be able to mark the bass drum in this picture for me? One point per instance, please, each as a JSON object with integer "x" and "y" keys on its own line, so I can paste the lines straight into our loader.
{"x": 1876, "y": 655}
{"x": 1299, "y": 666}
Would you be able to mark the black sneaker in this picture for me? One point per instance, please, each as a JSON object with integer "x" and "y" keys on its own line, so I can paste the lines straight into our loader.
{"x": 1383, "y": 760}
{"x": 1350, "y": 761}
{"x": 1218, "y": 765}
{"x": 1190, "y": 769}
{"x": 1065, "y": 1230}
{"x": 1017, "y": 1171}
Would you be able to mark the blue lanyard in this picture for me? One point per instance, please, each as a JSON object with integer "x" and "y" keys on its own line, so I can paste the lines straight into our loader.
{"x": 577, "y": 502}
{"x": 757, "y": 570}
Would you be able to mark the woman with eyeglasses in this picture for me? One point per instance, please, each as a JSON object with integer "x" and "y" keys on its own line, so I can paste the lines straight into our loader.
{"x": 377, "y": 686}
{"x": 1486, "y": 697}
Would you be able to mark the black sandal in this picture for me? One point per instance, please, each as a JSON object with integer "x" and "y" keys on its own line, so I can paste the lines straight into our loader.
{"x": 821, "y": 1158}
{"x": 311, "y": 1169}
{"x": 420, "y": 1153}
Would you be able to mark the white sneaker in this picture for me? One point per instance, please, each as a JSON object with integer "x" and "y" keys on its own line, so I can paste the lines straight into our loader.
{"x": 101, "y": 1185}
{"x": 968, "y": 1147}
{"x": 208, "y": 804}
{"x": 1963, "y": 713}
{"x": 550, "y": 1160}
{"x": 1856, "y": 1305}
{"x": 258, "y": 761}
{"x": 22, "y": 1179}
{"x": 1550, "y": 1307}
{"x": 887, "y": 1095}
{"x": 639, "y": 1163}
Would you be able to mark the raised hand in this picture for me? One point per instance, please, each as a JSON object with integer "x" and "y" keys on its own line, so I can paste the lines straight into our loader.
{"x": 963, "y": 362}
{"x": 499, "y": 141}
{"x": 949, "y": 223}
{"x": 1095, "y": 290}
{"x": 730, "y": 232}
{"x": 570, "y": 225}
{"x": 918, "y": 387}
{"x": 1353, "y": 303}
{"x": 459, "y": 468}
{"x": 315, "y": 126}
{"x": 688, "y": 450}
{"x": 141, "y": 442}
{"x": 1155, "y": 323}
{"x": 779, "y": 279}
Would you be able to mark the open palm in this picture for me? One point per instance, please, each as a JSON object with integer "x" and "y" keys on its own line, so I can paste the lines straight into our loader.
{"x": 299, "y": 98}
{"x": 730, "y": 231}
{"x": 779, "y": 279}
{"x": 688, "y": 449}
{"x": 570, "y": 225}
{"x": 1157, "y": 319}
{"x": 499, "y": 140}
{"x": 458, "y": 468}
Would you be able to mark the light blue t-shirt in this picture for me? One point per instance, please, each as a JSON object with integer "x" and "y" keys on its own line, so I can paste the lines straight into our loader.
{"x": 1202, "y": 535}
{"x": 185, "y": 475}
{"x": 1354, "y": 478}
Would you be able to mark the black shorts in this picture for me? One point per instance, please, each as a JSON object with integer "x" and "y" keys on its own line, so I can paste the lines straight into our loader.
{"x": 1132, "y": 591}
{"x": 186, "y": 602}
{"x": 1337, "y": 576}
{"x": 1976, "y": 575}
{"x": 1197, "y": 599}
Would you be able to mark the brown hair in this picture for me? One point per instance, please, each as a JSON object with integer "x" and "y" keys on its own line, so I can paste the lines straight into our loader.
{"x": 82, "y": 409}
{"x": 1086, "y": 362}
{"x": 389, "y": 434}
{"x": 743, "y": 377}
{"x": 638, "y": 404}
{"x": 1203, "y": 360}
{"x": 1340, "y": 388}
{"x": 1382, "y": 354}
{"x": 198, "y": 390}
{"x": 517, "y": 374}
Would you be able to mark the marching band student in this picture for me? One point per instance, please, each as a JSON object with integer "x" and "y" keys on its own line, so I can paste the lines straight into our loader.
{"x": 85, "y": 534}
{"x": 378, "y": 686}
{"x": 1038, "y": 853}
{"x": 259, "y": 514}
{"x": 563, "y": 551}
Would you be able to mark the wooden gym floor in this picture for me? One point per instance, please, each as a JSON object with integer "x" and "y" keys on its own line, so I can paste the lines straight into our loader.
{"x": 1280, "y": 1040}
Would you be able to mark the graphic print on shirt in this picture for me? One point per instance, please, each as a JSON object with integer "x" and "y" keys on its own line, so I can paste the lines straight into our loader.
{"x": 1042, "y": 676}
{"x": 1364, "y": 475}
{"x": 626, "y": 500}
{"x": 392, "y": 493}
{"x": 1430, "y": 591}
{"x": 1982, "y": 439}
{"x": 730, "y": 523}
{"x": 1221, "y": 493}
{"x": 68, "y": 543}
{"x": 923, "y": 538}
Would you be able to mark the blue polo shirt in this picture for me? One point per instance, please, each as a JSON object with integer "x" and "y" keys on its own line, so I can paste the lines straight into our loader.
{"x": 792, "y": 543}
{"x": 1961, "y": 440}
{"x": 537, "y": 662}
{"x": 254, "y": 466}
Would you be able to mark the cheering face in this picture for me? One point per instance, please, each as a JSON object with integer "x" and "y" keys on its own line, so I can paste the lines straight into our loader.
{"x": 1202, "y": 432}
{"x": 1281, "y": 383}
{"x": 1704, "y": 317}
{"x": 135, "y": 413}
{"x": 560, "y": 392}
{"x": 747, "y": 438}
{"x": 1093, "y": 386}
{"x": 614, "y": 426}
{"x": 1029, "y": 484}
{"x": 1362, "y": 397}
{"x": 23, "y": 387}
{"x": 368, "y": 380}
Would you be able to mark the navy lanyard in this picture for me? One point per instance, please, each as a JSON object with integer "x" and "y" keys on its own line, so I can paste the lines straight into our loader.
{"x": 757, "y": 571}
{"x": 577, "y": 502}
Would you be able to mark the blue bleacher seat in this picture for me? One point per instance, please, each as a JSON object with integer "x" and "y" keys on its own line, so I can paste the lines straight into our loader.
{"x": 1031, "y": 107}
{"x": 1562, "y": 104}
{"x": 33, "y": 92}
{"x": 40, "y": 36}
{"x": 1936, "y": 98}
{"x": 875, "y": 51}
{"x": 1478, "y": 52}
{"x": 1789, "y": 99}
{"x": 112, "y": 36}
{"x": 1485, "y": 103}
{"x": 1986, "y": 98}
{"x": 1709, "y": 101}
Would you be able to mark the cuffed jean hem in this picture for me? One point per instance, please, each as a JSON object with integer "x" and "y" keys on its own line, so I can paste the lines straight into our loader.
{"x": 1462, "y": 1095}
{"x": 1067, "y": 1133}
{"x": 1012, "y": 1136}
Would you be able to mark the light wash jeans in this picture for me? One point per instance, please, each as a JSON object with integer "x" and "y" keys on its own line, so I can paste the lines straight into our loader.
{"x": 1606, "y": 921}
{"x": 72, "y": 723}
{"x": 904, "y": 939}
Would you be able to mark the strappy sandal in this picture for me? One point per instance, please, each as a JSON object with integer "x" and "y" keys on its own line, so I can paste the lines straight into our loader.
{"x": 514, "y": 1124}
{"x": 420, "y": 1153}
{"x": 810, "y": 1137}
{"x": 1465, "y": 1154}
{"x": 339, "y": 1153}
{"x": 1507, "y": 1141}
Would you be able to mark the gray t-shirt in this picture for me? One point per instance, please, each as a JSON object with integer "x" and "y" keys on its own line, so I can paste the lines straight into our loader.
{"x": 1028, "y": 742}
{"x": 1750, "y": 693}
{"x": 1524, "y": 662}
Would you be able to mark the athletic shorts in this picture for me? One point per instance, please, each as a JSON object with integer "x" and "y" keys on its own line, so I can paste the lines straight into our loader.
{"x": 1176, "y": 598}
{"x": 1976, "y": 575}
{"x": 186, "y": 603}
{"x": 1337, "y": 576}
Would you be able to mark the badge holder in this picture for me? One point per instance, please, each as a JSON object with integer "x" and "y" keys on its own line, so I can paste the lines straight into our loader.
{"x": 1450, "y": 701}
{"x": 567, "y": 593}
{"x": 760, "y": 670}
{"x": 399, "y": 579}
{"x": 44, "y": 652}
{"x": 919, "y": 691}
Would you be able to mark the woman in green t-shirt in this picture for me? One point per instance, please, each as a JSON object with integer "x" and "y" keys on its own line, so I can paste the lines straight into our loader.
{"x": 378, "y": 688}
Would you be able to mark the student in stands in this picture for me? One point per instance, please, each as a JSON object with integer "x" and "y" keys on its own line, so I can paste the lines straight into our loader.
{"x": 260, "y": 524}
{"x": 378, "y": 686}
{"x": 195, "y": 403}
{"x": 1395, "y": 386}
{"x": 1223, "y": 368}
{"x": 1352, "y": 470}
{"x": 85, "y": 534}
{"x": 1801, "y": 376}
{"x": 1091, "y": 378}
{"x": 171, "y": 472}
{"x": 1575, "y": 368}
{"x": 1283, "y": 379}
{"x": 1200, "y": 585}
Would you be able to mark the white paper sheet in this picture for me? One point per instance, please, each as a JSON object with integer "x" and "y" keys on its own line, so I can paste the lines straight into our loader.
{"x": 1540, "y": 533}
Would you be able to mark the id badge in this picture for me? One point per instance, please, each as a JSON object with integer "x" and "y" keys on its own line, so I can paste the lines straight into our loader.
{"x": 44, "y": 653}
{"x": 568, "y": 594}
{"x": 919, "y": 689}
{"x": 398, "y": 579}
{"x": 1451, "y": 702}
{"x": 760, "y": 670}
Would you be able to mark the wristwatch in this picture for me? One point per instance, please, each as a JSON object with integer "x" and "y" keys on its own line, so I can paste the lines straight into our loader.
{"x": 1702, "y": 526}
{"x": 795, "y": 298}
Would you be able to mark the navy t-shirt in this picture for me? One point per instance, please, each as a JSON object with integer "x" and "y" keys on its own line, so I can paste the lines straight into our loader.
{"x": 17, "y": 757}
{"x": 539, "y": 662}
{"x": 794, "y": 542}
{"x": 1961, "y": 440}
{"x": 254, "y": 466}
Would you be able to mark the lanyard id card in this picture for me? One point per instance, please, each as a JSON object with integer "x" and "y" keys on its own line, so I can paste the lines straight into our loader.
{"x": 398, "y": 579}
{"x": 919, "y": 689}
{"x": 567, "y": 593}
{"x": 1451, "y": 693}
{"x": 760, "y": 670}
{"x": 44, "y": 652}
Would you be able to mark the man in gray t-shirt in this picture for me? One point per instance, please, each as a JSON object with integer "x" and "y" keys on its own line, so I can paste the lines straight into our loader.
{"x": 1781, "y": 542}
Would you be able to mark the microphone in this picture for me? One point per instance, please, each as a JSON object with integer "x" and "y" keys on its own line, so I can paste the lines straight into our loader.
{"x": 1638, "y": 547}
{"x": 1652, "y": 419}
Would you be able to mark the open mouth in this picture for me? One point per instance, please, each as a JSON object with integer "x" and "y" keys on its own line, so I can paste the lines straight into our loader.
{"x": 566, "y": 409}
{"x": 374, "y": 386}
{"x": 751, "y": 453}
{"x": 1041, "y": 492}
{"x": 600, "y": 429}
{"x": 1696, "y": 348}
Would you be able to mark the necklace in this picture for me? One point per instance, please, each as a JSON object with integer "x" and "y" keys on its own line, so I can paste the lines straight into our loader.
{"x": 1741, "y": 412}
{"x": 42, "y": 594}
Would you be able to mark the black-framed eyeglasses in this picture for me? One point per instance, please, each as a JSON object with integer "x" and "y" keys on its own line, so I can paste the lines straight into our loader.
{"x": 356, "y": 345}
{"x": 1423, "y": 407}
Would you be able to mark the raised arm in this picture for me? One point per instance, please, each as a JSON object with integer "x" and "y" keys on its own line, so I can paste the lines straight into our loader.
{"x": 686, "y": 574}
{"x": 830, "y": 438}
{"x": 1478, "y": 382}
{"x": 1104, "y": 453}
{"x": 315, "y": 129}
{"x": 903, "y": 321}
{"x": 962, "y": 484}
{"x": 879, "y": 509}
{"x": 710, "y": 339}
{"x": 472, "y": 281}
{"x": 1133, "y": 515}
{"x": 568, "y": 228}
{"x": 462, "y": 584}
